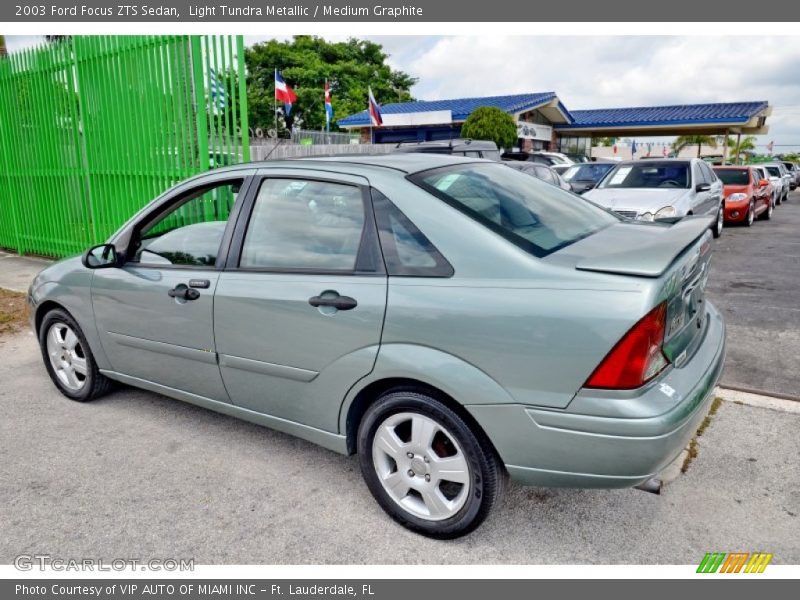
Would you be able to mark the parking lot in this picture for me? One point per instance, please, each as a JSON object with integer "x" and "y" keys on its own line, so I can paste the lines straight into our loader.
{"x": 139, "y": 475}
{"x": 755, "y": 281}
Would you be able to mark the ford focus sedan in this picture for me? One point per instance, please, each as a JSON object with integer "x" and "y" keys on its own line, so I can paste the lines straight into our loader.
{"x": 662, "y": 189}
{"x": 451, "y": 321}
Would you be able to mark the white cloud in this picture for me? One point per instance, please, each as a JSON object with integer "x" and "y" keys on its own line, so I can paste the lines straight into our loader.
{"x": 599, "y": 72}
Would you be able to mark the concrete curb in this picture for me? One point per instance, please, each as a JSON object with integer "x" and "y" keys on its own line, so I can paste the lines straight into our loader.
{"x": 770, "y": 402}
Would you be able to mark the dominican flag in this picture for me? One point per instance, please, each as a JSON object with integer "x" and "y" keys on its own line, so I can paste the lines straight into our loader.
{"x": 284, "y": 93}
{"x": 328, "y": 106}
{"x": 374, "y": 110}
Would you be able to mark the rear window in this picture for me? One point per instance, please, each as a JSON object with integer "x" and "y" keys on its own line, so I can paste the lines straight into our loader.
{"x": 537, "y": 217}
{"x": 733, "y": 176}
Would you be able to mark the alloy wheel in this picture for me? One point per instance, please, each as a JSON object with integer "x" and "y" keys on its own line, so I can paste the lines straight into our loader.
{"x": 67, "y": 356}
{"x": 421, "y": 466}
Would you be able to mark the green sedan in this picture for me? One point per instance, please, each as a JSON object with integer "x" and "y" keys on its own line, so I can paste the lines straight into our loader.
{"x": 450, "y": 320}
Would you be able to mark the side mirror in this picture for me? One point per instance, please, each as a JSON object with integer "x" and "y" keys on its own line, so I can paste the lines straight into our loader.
{"x": 588, "y": 187}
{"x": 702, "y": 187}
{"x": 102, "y": 256}
{"x": 763, "y": 182}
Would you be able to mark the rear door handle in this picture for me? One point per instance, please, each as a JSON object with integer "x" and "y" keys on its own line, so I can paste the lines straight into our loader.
{"x": 337, "y": 302}
{"x": 183, "y": 292}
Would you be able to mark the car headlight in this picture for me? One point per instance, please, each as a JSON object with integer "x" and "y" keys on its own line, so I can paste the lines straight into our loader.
{"x": 648, "y": 216}
{"x": 737, "y": 197}
{"x": 666, "y": 212}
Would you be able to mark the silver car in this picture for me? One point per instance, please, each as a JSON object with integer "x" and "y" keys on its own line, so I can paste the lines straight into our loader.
{"x": 669, "y": 189}
{"x": 450, "y": 320}
{"x": 780, "y": 179}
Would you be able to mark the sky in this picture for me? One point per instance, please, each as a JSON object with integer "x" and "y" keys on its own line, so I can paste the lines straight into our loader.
{"x": 603, "y": 71}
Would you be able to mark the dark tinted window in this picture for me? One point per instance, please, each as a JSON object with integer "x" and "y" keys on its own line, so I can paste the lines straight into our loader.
{"x": 733, "y": 176}
{"x": 406, "y": 250}
{"x": 592, "y": 172}
{"x": 300, "y": 224}
{"x": 774, "y": 171}
{"x": 538, "y": 217}
{"x": 190, "y": 234}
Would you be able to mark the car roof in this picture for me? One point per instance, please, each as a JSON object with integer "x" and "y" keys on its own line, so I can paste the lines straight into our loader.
{"x": 656, "y": 161}
{"x": 405, "y": 162}
{"x": 732, "y": 167}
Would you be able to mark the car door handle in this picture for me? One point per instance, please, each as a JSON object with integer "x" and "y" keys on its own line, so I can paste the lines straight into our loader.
{"x": 183, "y": 292}
{"x": 337, "y": 302}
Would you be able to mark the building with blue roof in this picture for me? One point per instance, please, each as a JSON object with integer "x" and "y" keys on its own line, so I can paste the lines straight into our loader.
{"x": 543, "y": 122}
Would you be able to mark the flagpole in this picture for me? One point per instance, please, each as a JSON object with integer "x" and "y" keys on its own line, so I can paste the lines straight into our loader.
{"x": 275, "y": 103}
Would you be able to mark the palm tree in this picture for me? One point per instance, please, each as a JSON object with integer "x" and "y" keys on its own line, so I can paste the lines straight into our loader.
{"x": 746, "y": 144}
{"x": 689, "y": 140}
{"x": 3, "y": 50}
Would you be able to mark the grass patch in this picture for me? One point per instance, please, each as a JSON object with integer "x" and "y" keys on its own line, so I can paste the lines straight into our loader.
{"x": 13, "y": 311}
{"x": 693, "y": 445}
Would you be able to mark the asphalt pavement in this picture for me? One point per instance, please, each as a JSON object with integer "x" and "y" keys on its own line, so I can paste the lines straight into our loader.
{"x": 755, "y": 282}
{"x": 138, "y": 475}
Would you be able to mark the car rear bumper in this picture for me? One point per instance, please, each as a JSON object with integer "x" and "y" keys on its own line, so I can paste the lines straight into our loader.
{"x": 610, "y": 439}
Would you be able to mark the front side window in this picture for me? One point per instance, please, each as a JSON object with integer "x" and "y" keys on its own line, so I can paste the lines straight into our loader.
{"x": 191, "y": 232}
{"x": 299, "y": 224}
{"x": 650, "y": 175}
{"x": 538, "y": 217}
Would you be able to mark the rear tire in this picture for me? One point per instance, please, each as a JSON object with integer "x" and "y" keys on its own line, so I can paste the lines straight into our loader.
{"x": 426, "y": 467}
{"x": 69, "y": 360}
{"x": 767, "y": 214}
{"x": 779, "y": 200}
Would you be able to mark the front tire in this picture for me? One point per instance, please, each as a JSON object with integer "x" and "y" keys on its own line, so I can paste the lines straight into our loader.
{"x": 718, "y": 225}
{"x": 426, "y": 467}
{"x": 751, "y": 214}
{"x": 68, "y": 359}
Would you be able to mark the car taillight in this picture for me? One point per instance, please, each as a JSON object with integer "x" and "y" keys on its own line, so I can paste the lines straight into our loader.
{"x": 637, "y": 357}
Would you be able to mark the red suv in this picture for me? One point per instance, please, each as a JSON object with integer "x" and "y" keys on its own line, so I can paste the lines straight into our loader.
{"x": 747, "y": 196}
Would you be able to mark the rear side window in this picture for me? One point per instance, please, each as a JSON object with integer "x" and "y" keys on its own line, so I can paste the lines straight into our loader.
{"x": 538, "y": 217}
{"x": 406, "y": 250}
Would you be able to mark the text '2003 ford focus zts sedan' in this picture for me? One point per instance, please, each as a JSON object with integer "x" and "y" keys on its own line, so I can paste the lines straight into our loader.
{"x": 450, "y": 320}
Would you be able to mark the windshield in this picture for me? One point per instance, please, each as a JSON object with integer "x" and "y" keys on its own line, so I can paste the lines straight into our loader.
{"x": 774, "y": 171}
{"x": 664, "y": 175}
{"x": 733, "y": 176}
{"x": 537, "y": 217}
{"x": 587, "y": 172}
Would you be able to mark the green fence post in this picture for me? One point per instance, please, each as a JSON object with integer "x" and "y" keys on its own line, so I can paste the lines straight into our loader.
{"x": 199, "y": 102}
{"x": 245, "y": 124}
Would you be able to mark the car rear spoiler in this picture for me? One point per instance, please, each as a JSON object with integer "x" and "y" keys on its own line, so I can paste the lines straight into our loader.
{"x": 654, "y": 257}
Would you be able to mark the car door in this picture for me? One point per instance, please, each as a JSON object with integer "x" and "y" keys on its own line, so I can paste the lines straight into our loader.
{"x": 716, "y": 191}
{"x": 299, "y": 311}
{"x": 701, "y": 198}
{"x": 154, "y": 314}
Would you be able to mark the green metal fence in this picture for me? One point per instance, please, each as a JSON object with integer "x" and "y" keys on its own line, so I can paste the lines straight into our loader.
{"x": 94, "y": 127}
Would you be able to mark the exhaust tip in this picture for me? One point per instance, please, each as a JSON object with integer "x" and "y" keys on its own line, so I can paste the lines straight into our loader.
{"x": 652, "y": 485}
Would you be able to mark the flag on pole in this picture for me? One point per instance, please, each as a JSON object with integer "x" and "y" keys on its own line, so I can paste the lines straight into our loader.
{"x": 328, "y": 106}
{"x": 664, "y": 150}
{"x": 374, "y": 110}
{"x": 217, "y": 91}
{"x": 770, "y": 146}
{"x": 284, "y": 93}
{"x": 633, "y": 148}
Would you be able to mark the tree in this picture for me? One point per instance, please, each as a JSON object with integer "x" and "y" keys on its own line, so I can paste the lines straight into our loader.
{"x": 746, "y": 144}
{"x": 606, "y": 142}
{"x": 683, "y": 141}
{"x": 3, "y": 50}
{"x": 305, "y": 63}
{"x": 491, "y": 123}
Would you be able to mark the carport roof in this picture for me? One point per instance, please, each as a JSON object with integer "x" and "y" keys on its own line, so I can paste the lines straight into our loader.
{"x": 461, "y": 108}
{"x": 672, "y": 118}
